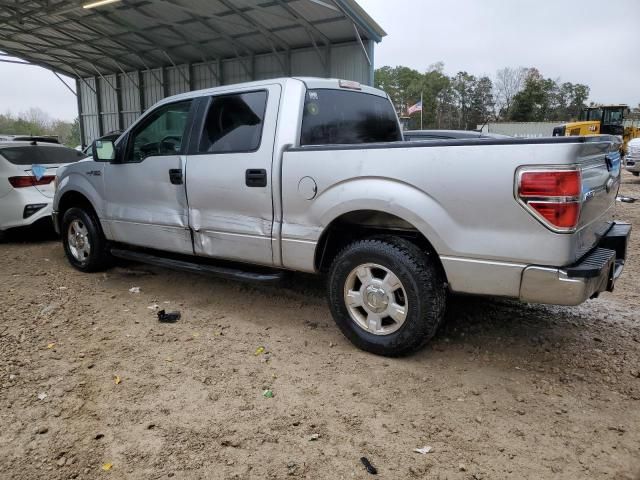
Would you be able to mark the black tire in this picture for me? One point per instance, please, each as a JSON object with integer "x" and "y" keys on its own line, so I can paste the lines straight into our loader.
{"x": 635, "y": 174}
{"x": 423, "y": 283}
{"x": 99, "y": 258}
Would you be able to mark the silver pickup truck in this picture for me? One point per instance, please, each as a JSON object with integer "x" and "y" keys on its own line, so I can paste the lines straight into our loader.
{"x": 303, "y": 174}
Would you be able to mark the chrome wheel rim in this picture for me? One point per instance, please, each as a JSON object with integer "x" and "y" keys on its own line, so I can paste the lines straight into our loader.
{"x": 78, "y": 240}
{"x": 376, "y": 299}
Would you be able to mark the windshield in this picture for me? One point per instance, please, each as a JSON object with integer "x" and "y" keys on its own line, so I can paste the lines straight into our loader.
{"x": 591, "y": 114}
{"x": 613, "y": 116}
{"x": 333, "y": 117}
{"x": 40, "y": 154}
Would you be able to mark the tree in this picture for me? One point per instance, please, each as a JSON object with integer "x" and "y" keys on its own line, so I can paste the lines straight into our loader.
{"x": 401, "y": 83}
{"x": 532, "y": 101}
{"x": 37, "y": 122}
{"x": 482, "y": 102}
{"x": 544, "y": 99}
{"x": 509, "y": 82}
{"x": 75, "y": 132}
{"x": 431, "y": 85}
{"x": 465, "y": 101}
{"x": 463, "y": 85}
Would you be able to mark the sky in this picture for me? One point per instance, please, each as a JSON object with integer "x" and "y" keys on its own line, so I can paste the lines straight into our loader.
{"x": 595, "y": 42}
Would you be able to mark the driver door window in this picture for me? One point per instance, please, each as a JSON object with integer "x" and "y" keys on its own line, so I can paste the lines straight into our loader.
{"x": 161, "y": 134}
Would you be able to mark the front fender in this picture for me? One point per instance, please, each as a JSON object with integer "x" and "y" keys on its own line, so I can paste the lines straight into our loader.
{"x": 71, "y": 180}
{"x": 77, "y": 183}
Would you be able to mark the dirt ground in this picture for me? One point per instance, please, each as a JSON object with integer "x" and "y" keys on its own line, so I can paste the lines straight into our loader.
{"x": 92, "y": 386}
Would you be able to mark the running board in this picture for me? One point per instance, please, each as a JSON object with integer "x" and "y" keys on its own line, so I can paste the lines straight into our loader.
{"x": 193, "y": 267}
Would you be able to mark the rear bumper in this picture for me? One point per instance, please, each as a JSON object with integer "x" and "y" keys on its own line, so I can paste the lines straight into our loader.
{"x": 23, "y": 207}
{"x": 632, "y": 164}
{"x": 594, "y": 273}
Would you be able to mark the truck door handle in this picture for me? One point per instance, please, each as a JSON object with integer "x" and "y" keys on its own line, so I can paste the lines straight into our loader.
{"x": 256, "y": 177}
{"x": 175, "y": 176}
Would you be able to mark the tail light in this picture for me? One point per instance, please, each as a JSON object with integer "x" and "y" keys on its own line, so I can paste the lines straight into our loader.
{"x": 30, "y": 181}
{"x": 554, "y": 197}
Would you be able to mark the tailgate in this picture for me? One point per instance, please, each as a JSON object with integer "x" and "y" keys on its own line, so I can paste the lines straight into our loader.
{"x": 600, "y": 165}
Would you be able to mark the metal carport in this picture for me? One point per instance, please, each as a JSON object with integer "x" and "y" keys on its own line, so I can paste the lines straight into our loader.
{"x": 125, "y": 55}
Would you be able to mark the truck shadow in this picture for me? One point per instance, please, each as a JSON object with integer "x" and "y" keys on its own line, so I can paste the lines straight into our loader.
{"x": 41, "y": 231}
{"x": 492, "y": 325}
{"x": 483, "y": 322}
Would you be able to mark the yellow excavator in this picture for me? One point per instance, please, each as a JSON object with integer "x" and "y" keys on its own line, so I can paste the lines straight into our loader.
{"x": 602, "y": 120}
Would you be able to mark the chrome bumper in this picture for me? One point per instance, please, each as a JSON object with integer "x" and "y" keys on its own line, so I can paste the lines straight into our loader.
{"x": 54, "y": 219}
{"x": 572, "y": 285}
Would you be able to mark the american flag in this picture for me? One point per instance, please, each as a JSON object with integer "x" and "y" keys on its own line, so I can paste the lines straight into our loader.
{"x": 414, "y": 108}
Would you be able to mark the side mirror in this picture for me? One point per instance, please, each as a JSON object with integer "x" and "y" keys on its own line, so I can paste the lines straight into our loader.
{"x": 103, "y": 151}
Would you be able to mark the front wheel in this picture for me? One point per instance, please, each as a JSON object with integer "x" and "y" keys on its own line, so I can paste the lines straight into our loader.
{"x": 83, "y": 241}
{"x": 386, "y": 295}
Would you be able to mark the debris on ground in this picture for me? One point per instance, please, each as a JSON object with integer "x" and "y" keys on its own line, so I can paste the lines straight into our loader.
{"x": 42, "y": 396}
{"x": 367, "y": 464}
{"x": 107, "y": 466}
{"x": 117, "y": 379}
{"x": 314, "y": 437}
{"x": 258, "y": 351}
{"x": 134, "y": 290}
{"x": 267, "y": 394}
{"x": 170, "y": 317}
{"x": 424, "y": 450}
{"x": 155, "y": 306}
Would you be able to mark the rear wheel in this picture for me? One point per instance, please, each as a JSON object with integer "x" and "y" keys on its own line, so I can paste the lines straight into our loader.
{"x": 636, "y": 173}
{"x": 83, "y": 241}
{"x": 386, "y": 295}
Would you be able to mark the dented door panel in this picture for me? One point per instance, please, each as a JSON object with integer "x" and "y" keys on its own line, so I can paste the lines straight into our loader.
{"x": 231, "y": 217}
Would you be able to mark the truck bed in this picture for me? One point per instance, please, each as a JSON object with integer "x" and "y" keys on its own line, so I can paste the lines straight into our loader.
{"x": 462, "y": 200}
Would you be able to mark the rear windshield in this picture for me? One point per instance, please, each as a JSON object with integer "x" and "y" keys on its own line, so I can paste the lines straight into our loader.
{"x": 40, "y": 154}
{"x": 334, "y": 117}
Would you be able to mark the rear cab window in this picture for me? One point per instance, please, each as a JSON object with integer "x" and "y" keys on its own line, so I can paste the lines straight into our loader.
{"x": 40, "y": 154}
{"x": 339, "y": 117}
{"x": 233, "y": 123}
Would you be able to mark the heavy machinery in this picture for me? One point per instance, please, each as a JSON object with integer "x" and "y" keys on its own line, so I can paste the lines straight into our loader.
{"x": 602, "y": 120}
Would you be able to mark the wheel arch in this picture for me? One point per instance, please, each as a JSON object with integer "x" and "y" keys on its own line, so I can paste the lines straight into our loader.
{"x": 74, "y": 198}
{"x": 366, "y": 223}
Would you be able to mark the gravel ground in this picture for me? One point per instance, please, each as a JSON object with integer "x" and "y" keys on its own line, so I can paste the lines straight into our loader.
{"x": 92, "y": 386}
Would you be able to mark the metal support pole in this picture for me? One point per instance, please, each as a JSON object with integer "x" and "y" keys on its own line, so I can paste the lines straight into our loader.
{"x": 83, "y": 136}
{"x": 141, "y": 91}
{"x": 99, "y": 106}
{"x": 165, "y": 84}
{"x": 119, "y": 102}
{"x": 64, "y": 83}
{"x": 190, "y": 74}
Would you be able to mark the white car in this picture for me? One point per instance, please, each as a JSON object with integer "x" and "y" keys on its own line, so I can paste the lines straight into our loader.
{"x": 27, "y": 173}
{"x": 632, "y": 159}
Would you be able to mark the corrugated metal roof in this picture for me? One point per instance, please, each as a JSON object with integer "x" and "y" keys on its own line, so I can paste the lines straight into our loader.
{"x": 142, "y": 34}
